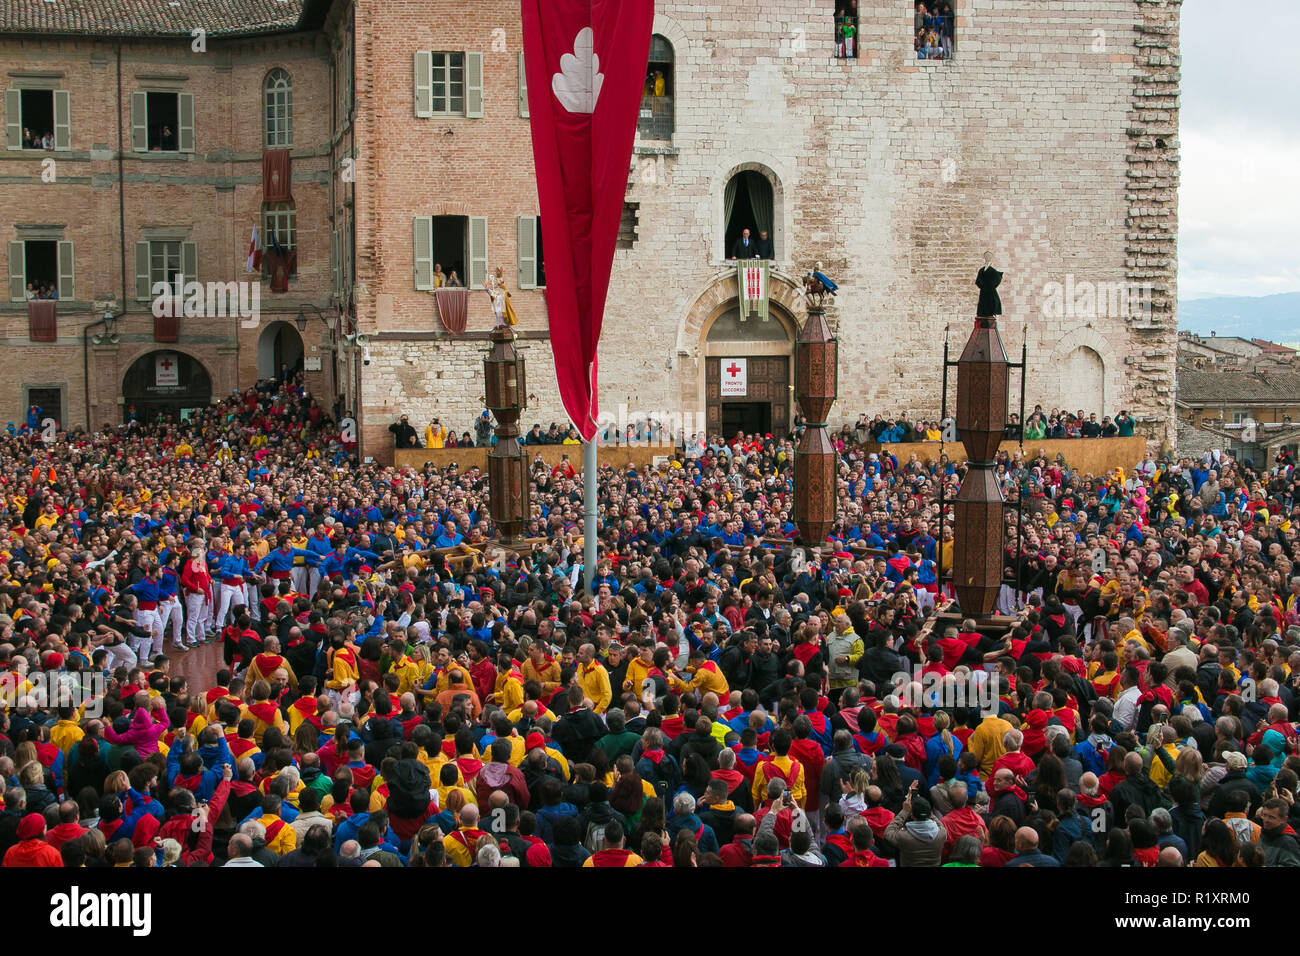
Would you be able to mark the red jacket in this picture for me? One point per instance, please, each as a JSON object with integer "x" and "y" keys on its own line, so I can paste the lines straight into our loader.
{"x": 809, "y": 753}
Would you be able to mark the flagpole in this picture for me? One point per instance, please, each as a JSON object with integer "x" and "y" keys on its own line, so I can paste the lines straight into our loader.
{"x": 589, "y": 514}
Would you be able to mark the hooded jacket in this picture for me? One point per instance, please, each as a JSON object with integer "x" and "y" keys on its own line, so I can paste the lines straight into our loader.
{"x": 919, "y": 842}
{"x": 500, "y": 776}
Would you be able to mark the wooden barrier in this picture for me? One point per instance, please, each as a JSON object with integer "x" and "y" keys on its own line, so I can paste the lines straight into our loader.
{"x": 1090, "y": 456}
{"x": 617, "y": 456}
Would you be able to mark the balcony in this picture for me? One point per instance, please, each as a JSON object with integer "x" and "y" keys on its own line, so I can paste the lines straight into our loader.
{"x": 656, "y": 119}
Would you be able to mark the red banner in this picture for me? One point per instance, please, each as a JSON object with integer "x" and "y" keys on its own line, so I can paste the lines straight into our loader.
{"x": 586, "y": 63}
{"x": 453, "y": 309}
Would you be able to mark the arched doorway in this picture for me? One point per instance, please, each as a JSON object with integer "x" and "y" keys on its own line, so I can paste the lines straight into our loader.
{"x": 279, "y": 344}
{"x": 747, "y": 203}
{"x": 748, "y": 374}
{"x": 165, "y": 385}
{"x": 1086, "y": 372}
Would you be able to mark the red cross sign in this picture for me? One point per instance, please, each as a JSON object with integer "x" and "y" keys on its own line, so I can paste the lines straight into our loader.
{"x": 735, "y": 382}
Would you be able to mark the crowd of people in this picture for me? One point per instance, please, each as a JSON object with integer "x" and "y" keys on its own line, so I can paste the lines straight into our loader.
{"x": 42, "y": 290}
{"x": 934, "y": 24}
{"x": 33, "y": 139}
{"x": 393, "y": 691}
{"x": 1039, "y": 425}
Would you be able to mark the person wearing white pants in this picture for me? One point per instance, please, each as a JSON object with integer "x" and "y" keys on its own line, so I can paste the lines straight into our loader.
{"x": 197, "y": 610}
{"x": 169, "y": 613}
{"x": 230, "y": 597}
{"x": 120, "y": 655}
{"x": 148, "y": 618}
{"x": 196, "y": 585}
{"x": 253, "y": 600}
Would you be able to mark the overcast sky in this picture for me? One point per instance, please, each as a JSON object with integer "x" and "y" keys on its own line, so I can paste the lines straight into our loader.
{"x": 1239, "y": 202}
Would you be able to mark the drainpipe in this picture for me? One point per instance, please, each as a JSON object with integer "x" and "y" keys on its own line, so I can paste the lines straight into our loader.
{"x": 85, "y": 362}
{"x": 121, "y": 181}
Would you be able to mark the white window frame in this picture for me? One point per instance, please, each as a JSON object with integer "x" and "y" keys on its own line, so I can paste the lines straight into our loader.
{"x": 277, "y": 109}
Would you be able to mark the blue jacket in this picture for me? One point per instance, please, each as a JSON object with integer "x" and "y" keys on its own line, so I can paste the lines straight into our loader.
{"x": 1069, "y": 831}
{"x": 210, "y": 776}
{"x": 706, "y": 838}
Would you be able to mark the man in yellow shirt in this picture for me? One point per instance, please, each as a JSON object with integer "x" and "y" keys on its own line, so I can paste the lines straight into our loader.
{"x": 593, "y": 679}
{"x": 782, "y": 765}
{"x": 986, "y": 742}
{"x": 435, "y": 435}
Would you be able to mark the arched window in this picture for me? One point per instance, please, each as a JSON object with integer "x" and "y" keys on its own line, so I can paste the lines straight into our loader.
{"x": 656, "y": 121}
{"x": 278, "y": 97}
{"x": 747, "y": 204}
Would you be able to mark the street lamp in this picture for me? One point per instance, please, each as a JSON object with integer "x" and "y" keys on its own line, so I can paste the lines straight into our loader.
{"x": 330, "y": 321}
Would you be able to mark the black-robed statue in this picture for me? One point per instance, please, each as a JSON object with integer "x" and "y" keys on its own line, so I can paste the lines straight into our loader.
{"x": 987, "y": 279}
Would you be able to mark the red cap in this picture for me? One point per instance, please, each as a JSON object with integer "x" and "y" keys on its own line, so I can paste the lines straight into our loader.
{"x": 532, "y": 741}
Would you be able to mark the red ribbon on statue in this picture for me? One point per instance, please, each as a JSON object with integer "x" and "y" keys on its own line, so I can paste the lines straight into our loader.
{"x": 586, "y": 65}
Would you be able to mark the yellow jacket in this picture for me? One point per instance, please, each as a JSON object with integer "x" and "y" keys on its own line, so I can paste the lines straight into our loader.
{"x": 594, "y": 681}
{"x": 407, "y": 671}
{"x": 65, "y": 735}
{"x": 1160, "y": 775}
{"x": 434, "y": 438}
{"x": 637, "y": 671}
{"x": 548, "y": 676}
{"x": 542, "y": 711}
{"x": 509, "y": 691}
{"x": 986, "y": 743}
{"x": 284, "y": 841}
{"x": 785, "y": 763}
{"x": 343, "y": 671}
{"x": 457, "y": 851}
{"x": 708, "y": 679}
{"x": 259, "y": 725}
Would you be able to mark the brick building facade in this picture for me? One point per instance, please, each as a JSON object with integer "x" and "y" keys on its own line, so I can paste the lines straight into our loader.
{"x": 161, "y": 130}
{"x": 1049, "y": 140}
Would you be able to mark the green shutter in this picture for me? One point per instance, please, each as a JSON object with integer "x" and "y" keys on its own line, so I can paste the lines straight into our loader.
{"x": 423, "y": 249}
{"x": 139, "y": 122}
{"x": 13, "y": 119}
{"x": 67, "y": 272}
{"x": 523, "y": 87}
{"x": 345, "y": 259}
{"x": 17, "y": 271}
{"x": 62, "y": 120}
{"x": 190, "y": 261}
{"x": 423, "y": 83}
{"x": 474, "y": 85}
{"x": 185, "y": 110}
{"x": 478, "y": 251}
{"x": 528, "y": 252}
{"x": 143, "y": 289}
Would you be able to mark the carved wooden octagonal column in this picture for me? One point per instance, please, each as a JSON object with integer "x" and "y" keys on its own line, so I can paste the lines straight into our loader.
{"x": 983, "y": 376}
{"x": 816, "y": 384}
{"x": 505, "y": 388}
